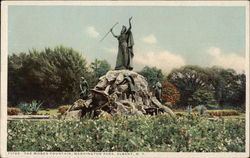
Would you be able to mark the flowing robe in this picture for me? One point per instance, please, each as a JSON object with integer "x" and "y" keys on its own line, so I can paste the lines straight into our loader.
{"x": 125, "y": 51}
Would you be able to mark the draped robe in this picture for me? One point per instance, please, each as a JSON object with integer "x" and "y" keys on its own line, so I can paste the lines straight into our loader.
{"x": 125, "y": 51}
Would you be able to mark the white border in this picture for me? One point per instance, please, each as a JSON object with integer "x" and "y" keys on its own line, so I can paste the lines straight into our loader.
{"x": 131, "y": 3}
{"x": 4, "y": 52}
{"x": 4, "y": 74}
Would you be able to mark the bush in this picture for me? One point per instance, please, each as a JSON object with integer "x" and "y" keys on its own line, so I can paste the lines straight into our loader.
{"x": 201, "y": 109}
{"x": 170, "y": 93}
{"x": 133, "y": 134}
{"x": 223, "y": 113}
{"x": 13, "y": 111}
{"x": 30, "y": 108}
{"x": 63, "y": 109}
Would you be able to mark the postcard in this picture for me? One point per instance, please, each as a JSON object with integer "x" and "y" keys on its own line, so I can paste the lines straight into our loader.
{"x": 124, "y": 79}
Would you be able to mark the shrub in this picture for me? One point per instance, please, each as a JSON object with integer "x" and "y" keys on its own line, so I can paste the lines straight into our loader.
{"x": 170, "y": 93}
{"x": 30, "y": 108}
{"x": 134, "y": 134}
{"x": 223, "y": 113}
{"x": 63, "y": 109}
{"x": 201, "y": 109}
{"x": 13, "y": 111}
{"x": 189, "y": 109}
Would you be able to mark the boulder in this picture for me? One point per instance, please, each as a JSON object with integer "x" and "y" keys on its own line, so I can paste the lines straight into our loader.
{"x": 73, "y": 115}
{"x": 121, "y": 92}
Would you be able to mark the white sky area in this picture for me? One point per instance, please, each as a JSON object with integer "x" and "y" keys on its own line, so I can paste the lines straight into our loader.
{"x": 231, "y": 60}
{"x": 165, "y": 37}
{"x": 91, "y": 31}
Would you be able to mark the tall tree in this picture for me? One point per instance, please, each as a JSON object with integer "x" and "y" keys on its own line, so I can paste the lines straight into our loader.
{"x": 229, "y": 86}
{"x": 201, "y": 97}
{"x": 188, "y": 79}
{"x": 99, "y": 68}
{"x": 52, "y": 76}
{"x": 152, "y": 75}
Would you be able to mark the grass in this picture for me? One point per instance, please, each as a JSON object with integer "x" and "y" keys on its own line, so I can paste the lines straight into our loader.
{"x": 49, "y": 112}
{"x": 241, "y": 116}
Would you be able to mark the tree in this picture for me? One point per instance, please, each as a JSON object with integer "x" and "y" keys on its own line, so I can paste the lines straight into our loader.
{"x": 51, "y": 76}
{"x": 99, "y": 68}
{"x": 226, "y": 85}
{"x": 201, "y": 97}
{"x": 229, "y": 86}
{"x": 188, "y": 79}
{"x": 170, "y": 93}
{"x": 152, "y": 75}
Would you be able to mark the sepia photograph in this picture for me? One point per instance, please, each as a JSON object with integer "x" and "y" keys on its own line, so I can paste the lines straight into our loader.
{"x": 124, "y": 79}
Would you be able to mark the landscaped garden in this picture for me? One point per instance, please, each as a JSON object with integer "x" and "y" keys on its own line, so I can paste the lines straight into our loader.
{"x": 208, "y": 103}
{"x": 188, "y": 133}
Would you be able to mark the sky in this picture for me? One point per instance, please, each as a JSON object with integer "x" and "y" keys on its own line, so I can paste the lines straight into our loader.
{"x": 165, "y": 36}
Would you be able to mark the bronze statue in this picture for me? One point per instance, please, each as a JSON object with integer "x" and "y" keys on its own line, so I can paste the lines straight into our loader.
{"x": 131, "y": 86}
{"x": 158, "y": 91}
{"x": 125, "y": 48}
{"x": 84, "y": 89}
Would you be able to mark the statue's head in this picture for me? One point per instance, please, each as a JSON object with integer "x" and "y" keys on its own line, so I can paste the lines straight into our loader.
{"x": 124, "y": 29}
{"x": 82, "y": 78}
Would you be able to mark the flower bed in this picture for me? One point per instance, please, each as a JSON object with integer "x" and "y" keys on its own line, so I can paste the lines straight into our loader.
{"x": 223, "y": 112}
{"x": 145, "y": 133}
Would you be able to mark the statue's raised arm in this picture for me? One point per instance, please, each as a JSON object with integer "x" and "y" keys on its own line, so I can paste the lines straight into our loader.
{"x": 130, "y": 26}
{"x": 125, "y": 48}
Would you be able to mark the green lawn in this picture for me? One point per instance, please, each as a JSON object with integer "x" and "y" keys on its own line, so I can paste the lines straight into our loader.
{"x": 49, "y": 112}
{"x": 241, "y": 116}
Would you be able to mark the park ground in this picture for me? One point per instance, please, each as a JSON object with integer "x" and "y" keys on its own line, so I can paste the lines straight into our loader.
{"x": 215, "y": 131}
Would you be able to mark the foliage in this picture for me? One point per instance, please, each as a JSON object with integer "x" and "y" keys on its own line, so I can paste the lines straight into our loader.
{"x": 152, "y": 75}
{"x": 48, "y": 112}
{"x": 51, "y": 75}
{"x": 201, "y": 109}
{"x": 170, "y": 93}
{"x": 223, "y": 112}
{"x": 189, "y": 109}
{"x": 188, "y": 79}
{"x": 228, "y": 86}
{"x": 99, "y": 68}
{"x": 30, "y": 108}
{"x": 201, "y": 97}
{"x": 123, "y": 134}
{"x": 63, "y": 109}
{"x": 13, "y": 111}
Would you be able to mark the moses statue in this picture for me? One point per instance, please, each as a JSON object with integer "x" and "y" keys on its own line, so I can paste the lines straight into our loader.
{"x": 125, "y": 48}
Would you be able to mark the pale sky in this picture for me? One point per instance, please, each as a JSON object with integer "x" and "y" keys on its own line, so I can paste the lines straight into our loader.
{"x": 165, "y": 36}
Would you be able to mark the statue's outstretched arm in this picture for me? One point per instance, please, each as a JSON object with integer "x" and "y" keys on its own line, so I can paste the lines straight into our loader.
{"x": 130, "y": 26}
{"x": 111, "y": 30}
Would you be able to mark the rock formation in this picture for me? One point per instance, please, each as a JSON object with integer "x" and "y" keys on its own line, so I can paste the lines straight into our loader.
{"x": 121, "y": 92}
